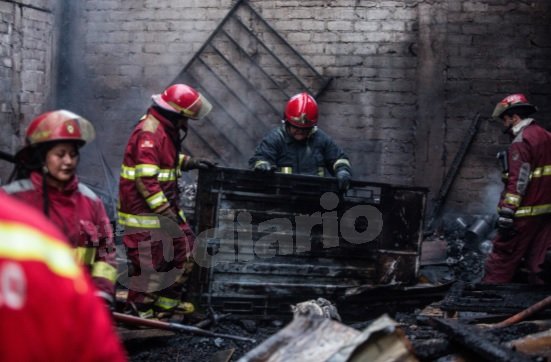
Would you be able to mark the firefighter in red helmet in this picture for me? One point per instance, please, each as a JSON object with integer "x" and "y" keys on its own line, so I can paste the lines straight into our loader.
{"x": 50, "y": 156}
{"x": 149, "y": 202}
{"x": 48, "y": 307}
{"x": 524, "y": 208}
{"x": 299, "y": 146}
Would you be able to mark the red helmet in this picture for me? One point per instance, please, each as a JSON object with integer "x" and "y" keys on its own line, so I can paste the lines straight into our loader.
{"x": 183, "y": 99}
{"x": 302, "y": 111}
{"x": 59, "y": 125}
{"x": 513, "y": 101}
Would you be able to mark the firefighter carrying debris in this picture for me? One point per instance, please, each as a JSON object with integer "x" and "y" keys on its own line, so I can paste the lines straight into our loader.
{"x": 47, "y": 304}
{"x": 524, "y": 209}
{"x": 51, "y": 155}
{"x": 149, "y": 202}
{"x": 299, "y": 146}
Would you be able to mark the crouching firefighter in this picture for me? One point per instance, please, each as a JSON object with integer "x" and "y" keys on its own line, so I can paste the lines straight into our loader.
{"x": 48, "y": 161}
{"x": 157, "y": 237}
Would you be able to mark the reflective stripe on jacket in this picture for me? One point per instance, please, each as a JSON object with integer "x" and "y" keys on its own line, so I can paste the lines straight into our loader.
{"x": 529, "y": 178}
{"x": 80, "y": 215}
{"x": 317, "y": 155}
{"x": 46, "y": 294}
{"x": 152, "y": 163}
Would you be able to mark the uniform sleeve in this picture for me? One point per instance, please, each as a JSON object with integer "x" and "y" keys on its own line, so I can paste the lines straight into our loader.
{"x": 334, "y": 157}
{"x": 94, "y": 337}
{"x": 147, "y": 169}
{"x": 520, "y": 167}
{"x": 104, "y": 268}
{"x": 267, "y": 150}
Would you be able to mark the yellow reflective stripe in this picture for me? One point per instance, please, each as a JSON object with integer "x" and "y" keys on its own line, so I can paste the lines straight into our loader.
{"x": 182, "y": 216}
{"x": 512, "y": 199}
{"x": 139, "y": 221}
{"x": 286, "y": 169}
{"x": 85, "y": 255}
{"x": 128, "y": 172}
{"x": 154, "y": 201}
{"x": 261, "y": 162}
{"x": 339, "y": 162}
{"x": 183, "y": 161}
{"x": 147, "y": 170}
{"x": 541, "y": 171}
{"x": 102, "y": 269}
{"x": 165, "y": 174}
{"x": 22, "y": 243}
{"x": 533, "y": 210}
{"x": 167, "y": 303}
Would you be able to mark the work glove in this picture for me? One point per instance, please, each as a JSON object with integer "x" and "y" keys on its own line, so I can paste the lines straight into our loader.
{"x": 108, "y": 300}
{"x": 201, "y": 164}
{"x": 504, "y": 222}
{"x": 170, "y": 214}
{"x": 343, "y": 180}
{"x": 264, "y": 167}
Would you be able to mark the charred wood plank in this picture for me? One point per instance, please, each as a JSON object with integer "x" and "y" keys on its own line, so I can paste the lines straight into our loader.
{"x": 475, "y": 340}
{"x": 494, "y": 299}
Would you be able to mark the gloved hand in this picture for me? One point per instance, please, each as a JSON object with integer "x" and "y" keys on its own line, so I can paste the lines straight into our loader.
{"x": 199, "y": 163}
{"x": 170, "y": 214}
{"x": 264, "y": 167}
{"x": 343, "y": 180}
{"x": 107, "y": 299}
{"x": 505, "y": 221}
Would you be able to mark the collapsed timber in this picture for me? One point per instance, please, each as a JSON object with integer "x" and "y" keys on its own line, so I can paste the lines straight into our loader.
{"x": 268, "y": 243}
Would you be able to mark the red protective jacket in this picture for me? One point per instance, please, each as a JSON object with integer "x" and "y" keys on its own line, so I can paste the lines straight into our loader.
{"x": 47, "y": 304}
{"x": 528, "y": 187}
{"x": 151, "y": 166}
{"x": 80, "y": 215}
{"x": 527, "y": 192}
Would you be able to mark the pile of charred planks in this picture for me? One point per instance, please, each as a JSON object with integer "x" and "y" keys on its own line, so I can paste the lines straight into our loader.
{"x": 472, "y": 323}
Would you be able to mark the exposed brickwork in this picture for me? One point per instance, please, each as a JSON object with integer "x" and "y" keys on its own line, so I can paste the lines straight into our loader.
{"x": 27, "y": 48}
{"x": 408, "y": 76}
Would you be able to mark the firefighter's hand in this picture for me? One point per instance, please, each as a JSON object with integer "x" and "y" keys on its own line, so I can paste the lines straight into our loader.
{"x": 107, "y": 299}
{"x": 505, "y": 221}
{"x": 170, "y": 214}
{"x": 201, "y": 164}
{"x": 343, "y": 180}
{"x": 264, "y": 167}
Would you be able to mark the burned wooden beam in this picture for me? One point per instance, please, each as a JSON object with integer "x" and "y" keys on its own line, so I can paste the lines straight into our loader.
{"x": 476, "y": 340}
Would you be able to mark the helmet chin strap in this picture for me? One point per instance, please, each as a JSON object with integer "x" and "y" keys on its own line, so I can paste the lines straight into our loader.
{"x": 45, "y": 199}
{"x": 183, "y": 134}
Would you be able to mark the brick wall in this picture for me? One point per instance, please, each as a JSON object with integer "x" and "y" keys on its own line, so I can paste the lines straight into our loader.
{"x": 27, "y": 56}
{"x": 408, "y": 76}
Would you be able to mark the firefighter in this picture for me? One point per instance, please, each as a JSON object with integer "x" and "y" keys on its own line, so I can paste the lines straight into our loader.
{"x": 524, "y": 208}
{"x": 47, "y": 304}
{"x": 149, "y": 202}
{"x": 51, "y": 155}
{"x": 299, "y": 146}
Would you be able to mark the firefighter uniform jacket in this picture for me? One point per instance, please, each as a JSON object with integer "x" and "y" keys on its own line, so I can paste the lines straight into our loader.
{"x": 151, "y": 166}
{"x": 527, "y": 194}
{"x": 48, "y": 308}
{"x": 528, "y": 186}
{"x": 314, "y": 156}
{"x": 80, "y": 215}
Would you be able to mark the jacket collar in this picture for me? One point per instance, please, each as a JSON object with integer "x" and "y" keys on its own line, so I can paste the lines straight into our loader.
{"x": 167, "y": 124}
{"x": 37, "y": 177}
{"x": 517, "y": 128}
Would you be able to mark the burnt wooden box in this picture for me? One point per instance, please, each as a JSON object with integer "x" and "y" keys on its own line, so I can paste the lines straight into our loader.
{"x": 266, "y": 241}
